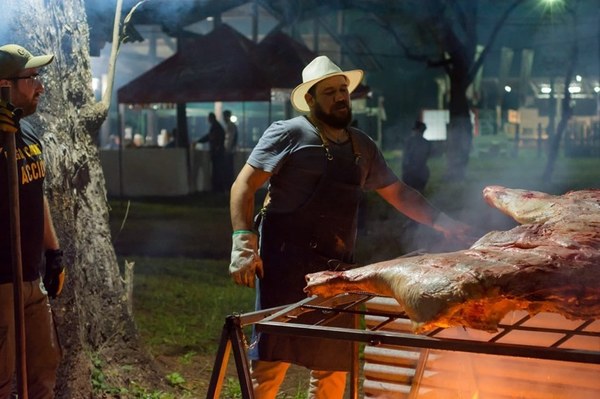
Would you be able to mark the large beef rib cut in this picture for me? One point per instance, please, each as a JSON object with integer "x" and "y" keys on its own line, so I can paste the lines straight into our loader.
{"x": 550, "y": 263}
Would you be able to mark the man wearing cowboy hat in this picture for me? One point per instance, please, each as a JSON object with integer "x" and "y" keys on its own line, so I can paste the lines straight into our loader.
{"x": 19, "y": 71}
{"x": 317, "y": 167}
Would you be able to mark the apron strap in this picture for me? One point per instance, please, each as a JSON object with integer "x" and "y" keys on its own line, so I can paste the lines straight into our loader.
{"x": 325, "y": 142}
{"x": 355, "y": 149}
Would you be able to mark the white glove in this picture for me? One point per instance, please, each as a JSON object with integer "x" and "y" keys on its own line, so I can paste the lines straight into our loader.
{"x": 245, "y": 261}
{"x": 451, "y": 228}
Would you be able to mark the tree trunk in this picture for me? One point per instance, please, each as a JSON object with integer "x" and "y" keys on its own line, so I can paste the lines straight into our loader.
{"x": 566, "y": 109}
{"x": 460, "y": 130}
{"x": 556, "y": 138}
{"x": 94, "y": 325}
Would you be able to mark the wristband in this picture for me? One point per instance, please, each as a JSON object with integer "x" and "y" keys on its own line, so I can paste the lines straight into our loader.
{"x": 243, "y": 232}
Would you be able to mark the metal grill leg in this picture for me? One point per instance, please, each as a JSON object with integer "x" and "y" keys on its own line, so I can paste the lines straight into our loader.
{"x": 241, "y": 360}
{"x": 231, "y": 337}
{"x": 354, "y": 372}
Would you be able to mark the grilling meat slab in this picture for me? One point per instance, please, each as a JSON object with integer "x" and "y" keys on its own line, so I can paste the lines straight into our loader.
{"x": 550, "y": 263}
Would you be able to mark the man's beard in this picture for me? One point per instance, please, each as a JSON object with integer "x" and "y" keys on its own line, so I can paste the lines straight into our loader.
{"x": 337, "y": 122}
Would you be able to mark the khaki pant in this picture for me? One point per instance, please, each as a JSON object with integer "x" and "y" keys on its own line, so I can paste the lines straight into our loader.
{"x": 268, "y": 376}
{"x": 43, "y": 351}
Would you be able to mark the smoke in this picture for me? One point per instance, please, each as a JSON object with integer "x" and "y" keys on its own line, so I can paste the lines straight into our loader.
{"x": 9, "y": 10}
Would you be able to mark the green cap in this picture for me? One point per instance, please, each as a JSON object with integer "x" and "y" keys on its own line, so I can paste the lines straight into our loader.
{"x": 14, "y": 58}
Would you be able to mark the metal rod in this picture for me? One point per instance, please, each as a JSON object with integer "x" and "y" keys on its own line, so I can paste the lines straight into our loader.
{"x": 419, "y": 341}
{"x": 354, "y": 371}
{"x": 220, "y": 366}
{"x": 419, "y": 371}
{"x": 568, "y": 336}
{"x": 15, "y": 247}
{"x": 241, "y": 360}
{"x": 551, "y": 330}
{"x": 508, "y": 330}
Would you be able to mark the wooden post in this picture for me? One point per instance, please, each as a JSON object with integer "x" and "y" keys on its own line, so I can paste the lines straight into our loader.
{"x": 15, "y": 247}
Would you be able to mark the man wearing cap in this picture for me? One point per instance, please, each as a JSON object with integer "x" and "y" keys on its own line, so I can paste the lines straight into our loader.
{"x": 19, "y": 72}
{"x": 317, "y": 167}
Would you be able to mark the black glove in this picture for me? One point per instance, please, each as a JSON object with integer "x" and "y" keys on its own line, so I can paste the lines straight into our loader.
{"x": 55, "y": 272}
{"x": 9, "y": 118}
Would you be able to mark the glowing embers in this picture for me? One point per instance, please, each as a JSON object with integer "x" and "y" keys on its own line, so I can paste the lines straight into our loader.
{"x": 426, "y": 373}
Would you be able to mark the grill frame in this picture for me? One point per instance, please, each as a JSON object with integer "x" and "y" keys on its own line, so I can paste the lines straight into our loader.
{"x": 281, "y": 321}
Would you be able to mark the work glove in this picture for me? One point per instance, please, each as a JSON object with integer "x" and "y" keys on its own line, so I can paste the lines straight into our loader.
{"x": 245, "y": 261}
{"x": 452, "y": 228}
{"x": 9, "y": 118}
{"x": 55, "y": 272}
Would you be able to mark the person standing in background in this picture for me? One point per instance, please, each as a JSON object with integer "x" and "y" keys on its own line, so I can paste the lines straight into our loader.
{"x": 417, "y": 150}
{"x": 19, "y": 70}
{"x": 231, "y": 139}
{"x": 216, "y": 141}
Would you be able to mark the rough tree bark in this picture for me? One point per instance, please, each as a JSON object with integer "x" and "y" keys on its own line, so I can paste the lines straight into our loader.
{"x": 92, "y": 316}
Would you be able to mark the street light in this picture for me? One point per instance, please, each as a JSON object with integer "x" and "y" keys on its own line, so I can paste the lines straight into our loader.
{"x": 553, "y": 5}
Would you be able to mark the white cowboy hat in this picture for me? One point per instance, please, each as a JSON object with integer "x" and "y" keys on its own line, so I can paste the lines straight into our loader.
{"x": 321, "y": 68}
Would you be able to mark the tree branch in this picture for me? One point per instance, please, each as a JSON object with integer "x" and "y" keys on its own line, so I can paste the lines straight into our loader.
{"x": 405, "y": 49}
{"x": 118, "y": 38}
{"x": 487, "y": 48}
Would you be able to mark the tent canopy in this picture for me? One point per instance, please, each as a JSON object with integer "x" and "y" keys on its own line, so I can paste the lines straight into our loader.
{"x": 284, "y": 59}
{"x": 218, "y": 66}
{"x": 223, "y": 65}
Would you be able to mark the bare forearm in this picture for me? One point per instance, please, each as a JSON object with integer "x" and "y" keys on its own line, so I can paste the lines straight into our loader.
{"x": 410, "y": 202}
{"x": 241, "y": 206}
{"x": 242, "y": 199}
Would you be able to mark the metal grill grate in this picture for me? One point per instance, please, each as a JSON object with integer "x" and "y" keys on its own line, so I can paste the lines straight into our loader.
{"x": 563, "y": 343}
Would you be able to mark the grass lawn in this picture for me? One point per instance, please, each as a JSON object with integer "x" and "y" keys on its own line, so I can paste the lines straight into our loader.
{"x": 192, "y": 297}
{"x": 182, "y": 292}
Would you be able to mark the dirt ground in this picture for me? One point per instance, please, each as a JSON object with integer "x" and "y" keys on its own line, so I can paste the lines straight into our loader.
{"x": 198, "y": 371}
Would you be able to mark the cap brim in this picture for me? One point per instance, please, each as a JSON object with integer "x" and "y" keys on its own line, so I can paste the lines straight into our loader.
{"x": 354, "y": 77}
{"x": 39, "y": 61}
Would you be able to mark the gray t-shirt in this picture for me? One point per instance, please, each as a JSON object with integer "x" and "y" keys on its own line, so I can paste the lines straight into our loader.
{"x": 292, "y": 150}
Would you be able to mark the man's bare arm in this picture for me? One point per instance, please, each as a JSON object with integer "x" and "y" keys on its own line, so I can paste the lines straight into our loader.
{"x": 409, "y": 202}
{"x": 243, "y": 191}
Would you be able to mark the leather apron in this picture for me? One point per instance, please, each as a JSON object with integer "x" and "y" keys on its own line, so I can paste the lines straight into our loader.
{"x": 305, "y": 241}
